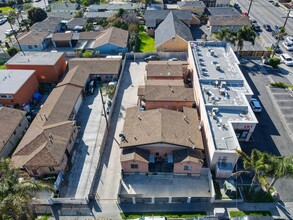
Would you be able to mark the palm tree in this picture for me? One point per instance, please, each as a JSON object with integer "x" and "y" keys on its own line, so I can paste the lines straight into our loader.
{"x": 16, "y": 192}
{"x": 282, "y": 167}
{"x": 89, "y": 26}
{"x": 244, "y": 34}
{"x": 225, "y": 34}
{"x": 255, "y": 164}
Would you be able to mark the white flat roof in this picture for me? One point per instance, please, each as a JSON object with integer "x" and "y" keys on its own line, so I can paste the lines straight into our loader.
{"x": 224, "y": 91}
{"x": 35, "y": 58}
{"x": 12, "y": 80}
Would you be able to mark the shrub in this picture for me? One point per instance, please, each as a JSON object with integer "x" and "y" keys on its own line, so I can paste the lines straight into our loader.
{"x": 279, "y": 85}
{"x": 87, "y": 54}
{"x": 274, "y": 62}
{"x": 12, "y": 51}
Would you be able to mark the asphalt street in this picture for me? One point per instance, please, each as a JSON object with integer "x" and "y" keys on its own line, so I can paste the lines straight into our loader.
{"x": 270, "y": 134}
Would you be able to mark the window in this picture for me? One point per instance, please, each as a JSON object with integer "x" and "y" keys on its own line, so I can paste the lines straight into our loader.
{"x": 188, "y": 167}
{"x": 157, "y": 154}
{"x": 6, "y": 96}
{"x": 35, "y": 172}
{"x": 51, "y": 169}
{"x": 134, "y": 166}
{"x": 14, "y": 133}
{"x": 222, "y": 159}
{"x": 36, "y": 46}
{"x": 30, "y": 47}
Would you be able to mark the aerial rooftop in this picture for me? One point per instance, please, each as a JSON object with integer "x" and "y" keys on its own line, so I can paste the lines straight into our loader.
{"x": 35, "y": 58}
{"x": 224, "y": 90}
{"x": 12, "y": 80}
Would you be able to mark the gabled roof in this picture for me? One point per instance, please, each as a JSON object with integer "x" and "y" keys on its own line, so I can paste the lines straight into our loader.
{"x": 64, "y": 6}
{"x": 165, "y": 69}
{"x": 188, "y": 155}
{"x": 89, "y": 35}
{"x": 114, "y": 36}
{"x": 75, "y": 22}
{"x": 50, "y": 24}
{"x": 32, "y": 38}
{"x": 110, "y": 7}
{"x": 152, "y": 17}
{"x": 223, "y": 11}
{"x": 81, "y": 68}
{"x": 135, "y": 154}
{"x": 62, "y": 37}
{"x": 10, "y": 119}
{"x": 102, "y": 14}
{"x": 167, "y": 90}
{"x": 171, "y": 27}
{"x": 45, "y": 141}
{"x": 162, "y": 126}
{"x": 191, "y": 4}
{"x": 229, "y": 20}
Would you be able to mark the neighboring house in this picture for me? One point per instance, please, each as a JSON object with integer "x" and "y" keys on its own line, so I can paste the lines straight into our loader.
{"x": 217, "y": 3}
{"x": 113, "y": 7}
{"x": 76, "y": 24}
{"x": 48, "y": 143}
{"x": 172, "y": 35}
{"x": 17, "y": 87}
{"x": 13, "y": 125}
{"x": 168, "y": 94}
{"x": 65, "y": 7}
{"x": 50, "y": 24}
{"x": 97, "y": 16}
{"x": 153, "y": 18}
{"x": 62, "y": 40}
{"x": 110, "y": 41}
{"x": 162, "y": 140}
{"x": 49, "y": 66}
{"x": 233, "y": 22}
{"x": 166, "y": 70}
{"x": 81, "y": 70}
{"x": 197, "y": 7}
{"x": 223, "y": 11}
{"x": 62, "y": 15}
{"x": 33, "y": 41}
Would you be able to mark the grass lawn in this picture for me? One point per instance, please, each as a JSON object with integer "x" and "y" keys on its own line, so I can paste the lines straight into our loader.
{"x": 145, "y": 43}
{"x": 166, "y": 214}
{"x": 5, "y": 9}
{"x": 245, "y": 213}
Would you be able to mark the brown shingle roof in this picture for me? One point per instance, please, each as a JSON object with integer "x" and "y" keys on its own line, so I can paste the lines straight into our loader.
{"x": 188, "y": 155}
{"x": 135, "y": 154}
{"x": 62, "y": 37}
{"x": 81, "y": 68}
{"x": 167, "y": 90}
{"x": 165, "y": 68}
{"x": 88, "y": 35}
{"x": 36, "y": 149}
{"x": 229, "y": 20}
{"x": 162, "y": 126}
{"x": 113, "y": 35}
{"x": 32, "y": 38}
{"x": 10, "y": 118}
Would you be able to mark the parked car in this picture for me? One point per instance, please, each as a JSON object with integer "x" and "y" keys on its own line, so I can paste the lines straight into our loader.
{"x": 255, "y": 105}
{"x": 276, "y": 48}
{"x": 152, "y": 57}
{"x": 2, "y": 21}
{"x": 236, "y": 6}
{"x": 9, "y": 32}
{"x": 287, "y": 59}
{"x": 288, "y": 46}
{"x": 275, "y": 33}
{"x": 289, "y": 39}
{"x": 256, "y": 28}
{"x": 267, "y": 27}
{"x": 253, "y": 21}
{"x": 278, "y": 27}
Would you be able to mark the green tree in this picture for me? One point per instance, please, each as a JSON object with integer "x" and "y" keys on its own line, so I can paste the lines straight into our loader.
{"x": 12, "y": 51}
{"x": 225, "y": 34}
{"x": 257, "y": 164}
{"x": 89, "y": 26}
{"x": 79, "y": 14}
{"x": 88, "y": 54}
{"x": 120, "y": 12}
{"x": 36, "y": 15}
{"x": 244, "y": 34}
{"x": 16, "y": 193}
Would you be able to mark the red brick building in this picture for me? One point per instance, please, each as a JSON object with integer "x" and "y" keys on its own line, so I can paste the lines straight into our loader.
{"x": 17, "y": 87}
{"x": 49, "y": 66}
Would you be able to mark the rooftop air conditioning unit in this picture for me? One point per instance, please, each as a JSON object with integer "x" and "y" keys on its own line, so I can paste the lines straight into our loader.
{"x": 223, "y": 84}
{"x": 215, "y": 110}
{"x": 212, "y": 52}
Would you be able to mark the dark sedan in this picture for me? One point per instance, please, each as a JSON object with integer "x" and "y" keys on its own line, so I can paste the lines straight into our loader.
{"x": 267, "y": 27}
{"x": 152, "y": 57}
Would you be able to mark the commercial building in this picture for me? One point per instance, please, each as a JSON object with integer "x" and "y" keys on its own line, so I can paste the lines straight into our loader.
{"x": 17, "y": 87}
{"x": 49, "y": 66}
{"x": 222, "y": 96}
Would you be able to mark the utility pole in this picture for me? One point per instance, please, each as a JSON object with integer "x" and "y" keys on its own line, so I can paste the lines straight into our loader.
{"x": 105, "y": 114}
{"x": 288, "y": 14}
{"x": 249, "y": 7}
